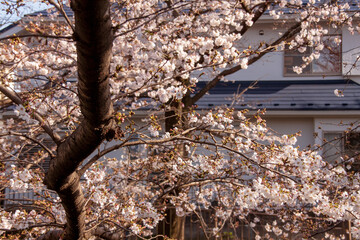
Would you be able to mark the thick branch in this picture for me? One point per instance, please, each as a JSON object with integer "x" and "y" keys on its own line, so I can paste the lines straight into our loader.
{"x": 17, "y": 100}
{"x": 35, "y": 35}
{"x": 94, "y": 36}
{"x": 51, "y": 235}
{"x": 55, "y": 234}
{"x": 287, "y": 35}
{"x": 127, "y": 144}
{"x": 106, "y": 234}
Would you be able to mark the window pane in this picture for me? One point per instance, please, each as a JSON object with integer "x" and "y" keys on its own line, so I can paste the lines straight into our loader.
{"x": 136, "y": 151}
{"x": 326, "y": 64}
{"x": 352, "y": 149}
{"x": 337, "y": 145}
{"x": 329, "y": 61}
{"x": 291, "y": 61}
{"x": 333, "y": 147}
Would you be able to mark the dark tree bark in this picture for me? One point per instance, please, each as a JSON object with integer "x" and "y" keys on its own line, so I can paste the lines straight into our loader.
{"x": 94, "y": 37}
{"x": 173, "y": 226}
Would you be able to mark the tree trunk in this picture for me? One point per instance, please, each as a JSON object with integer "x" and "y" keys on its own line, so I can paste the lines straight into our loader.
{"x": 94, "y": 36}
{"x": 173, "y": 226}
{"x": 177, "y": 226}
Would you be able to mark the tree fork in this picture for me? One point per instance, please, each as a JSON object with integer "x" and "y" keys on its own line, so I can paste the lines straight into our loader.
{"x": 94, "y": 37}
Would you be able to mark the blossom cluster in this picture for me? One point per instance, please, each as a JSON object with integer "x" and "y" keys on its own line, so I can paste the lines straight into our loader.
{"x": 222, "y": 161}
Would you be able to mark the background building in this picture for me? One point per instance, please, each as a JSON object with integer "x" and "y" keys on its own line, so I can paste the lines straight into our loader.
{"x": 323, "y": 102}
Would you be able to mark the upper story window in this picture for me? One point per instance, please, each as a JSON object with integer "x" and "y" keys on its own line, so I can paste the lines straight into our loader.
{"x": 328, "y": 63}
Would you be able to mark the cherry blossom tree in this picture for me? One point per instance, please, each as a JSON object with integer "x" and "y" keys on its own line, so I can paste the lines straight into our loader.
{"x": 75, "y": 86}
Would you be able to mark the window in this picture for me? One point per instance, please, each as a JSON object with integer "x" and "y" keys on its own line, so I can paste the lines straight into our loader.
{"x": 329, "y": 61}
{"x": 34, "y": 153}
{"x": 352, "y": 149}
{"x": 136, "y": 151}
{"x": 346, "y": 145}
{"x": 34, "y": 156}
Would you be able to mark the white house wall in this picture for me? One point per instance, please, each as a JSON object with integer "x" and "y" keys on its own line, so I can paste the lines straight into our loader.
{"x": 351, "y": 51}
{"x": 281, "y": 125}
{"x": 271, "y": 66}
{"x": 291, "y": 125}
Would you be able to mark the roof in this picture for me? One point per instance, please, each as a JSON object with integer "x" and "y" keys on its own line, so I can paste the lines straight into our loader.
{"x": 10, "y": 26}
{"x": 352, "y": 4}
{"x": 45, "y": 13}
{"x": 51, "y": 11}
{"x": 283, "y": 95}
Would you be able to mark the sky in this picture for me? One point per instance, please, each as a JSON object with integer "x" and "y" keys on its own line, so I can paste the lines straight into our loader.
{"x": 30, "y": 6}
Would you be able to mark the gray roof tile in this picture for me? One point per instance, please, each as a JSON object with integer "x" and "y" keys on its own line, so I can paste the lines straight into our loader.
{"x": 51, "y": 11}
{"x": 283, "y": 95}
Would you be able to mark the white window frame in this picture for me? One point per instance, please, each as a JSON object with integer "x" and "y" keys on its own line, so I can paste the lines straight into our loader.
{"x": 331, "y": 125}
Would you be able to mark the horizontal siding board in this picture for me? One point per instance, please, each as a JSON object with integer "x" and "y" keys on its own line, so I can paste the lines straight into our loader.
{"x": 21, "y": 198}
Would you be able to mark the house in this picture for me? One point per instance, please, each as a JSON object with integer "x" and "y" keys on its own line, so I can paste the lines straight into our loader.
{"x": 323, "y": 102}
{"x": 321, "y": 95}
